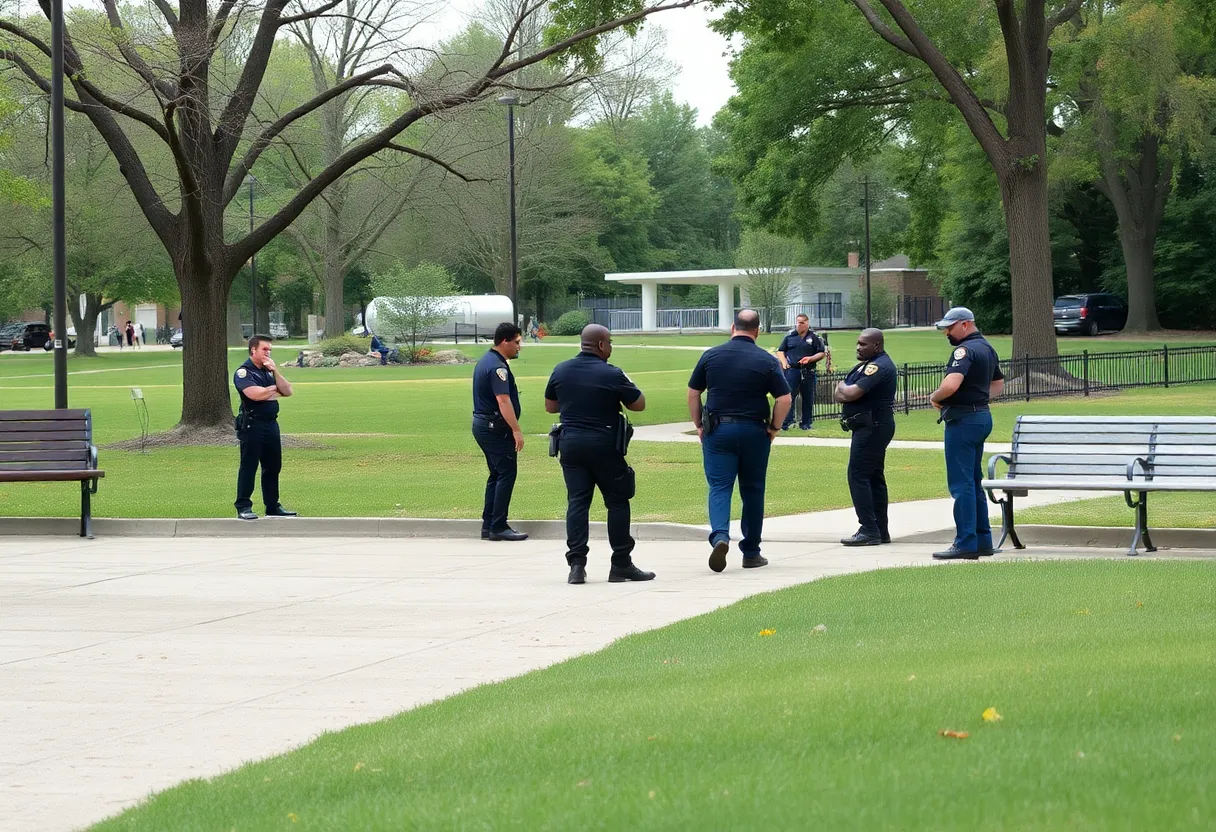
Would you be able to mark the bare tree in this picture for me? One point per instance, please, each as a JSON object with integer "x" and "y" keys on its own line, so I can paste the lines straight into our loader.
{"x": 191, "y": 76}
{"x": 635, "y": 70}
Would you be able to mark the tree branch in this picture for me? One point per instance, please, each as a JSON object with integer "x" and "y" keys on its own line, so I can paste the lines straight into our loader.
{"x": 132, "y": 56}
{"x": 422, "y": 154}
{"x": 317, "y": 12}
{"x": 1070, "y": 10}
{"x": 169, "y": 15}
{"x": 229, "y": 127}
{"x": 883, "y": 30}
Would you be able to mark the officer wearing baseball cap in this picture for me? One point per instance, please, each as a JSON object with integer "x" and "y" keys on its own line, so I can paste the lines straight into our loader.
{"x": 973, "y": 377}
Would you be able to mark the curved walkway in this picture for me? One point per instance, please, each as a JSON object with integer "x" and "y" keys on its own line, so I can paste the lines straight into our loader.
{"x": 683, "y": 432}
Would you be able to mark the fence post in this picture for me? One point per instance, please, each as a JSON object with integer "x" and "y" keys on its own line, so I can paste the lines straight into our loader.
{"x": 1026, "y": 375}
{"x": 907, "y": 407}
{"x": 1085, "y": 371}
{"x": 1165, "y": 351}
{"x": 456, "y": 333}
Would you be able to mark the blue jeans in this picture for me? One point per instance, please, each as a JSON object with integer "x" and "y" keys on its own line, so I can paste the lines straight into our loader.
{"x": 964, "y": 470}
{"x": 737, "y": 450}
{"x": 803, "y": 388}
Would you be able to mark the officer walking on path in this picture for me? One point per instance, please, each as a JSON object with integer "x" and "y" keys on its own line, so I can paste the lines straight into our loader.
{"x": 868, "y": 396}
{"x": 496, "y": 429}
{"x": 973, "y": 376}
{"x": 260, "y": 386}
{"x": 736, "y": 432}
{"x": 799, "y": 353}
{"x": 589, "y": 392}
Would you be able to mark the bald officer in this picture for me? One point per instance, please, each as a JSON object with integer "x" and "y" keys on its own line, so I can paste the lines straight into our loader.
{"x": 589, "y": 393}
{"x": 973, "y": 377}
{"x": 496, "y": 428}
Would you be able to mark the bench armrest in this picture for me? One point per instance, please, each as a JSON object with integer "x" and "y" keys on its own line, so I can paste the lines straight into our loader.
{"x": 1144, "y": 463}
{"x": 993, "y": 460}
{"x": 93, "y": 465}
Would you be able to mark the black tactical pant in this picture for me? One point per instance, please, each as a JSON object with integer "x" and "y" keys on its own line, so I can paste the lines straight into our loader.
{"x": 590, "y": 461}
{"x": 260, "y": 445}
{"x": 867, "y": 482}
{"x": 503, "y": 462}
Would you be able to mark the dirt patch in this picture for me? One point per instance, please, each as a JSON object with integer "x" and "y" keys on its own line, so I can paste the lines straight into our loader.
{"x": 208, "y": 437}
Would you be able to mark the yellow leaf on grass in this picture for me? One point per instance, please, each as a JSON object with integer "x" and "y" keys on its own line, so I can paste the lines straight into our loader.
{"x": 990, "y": 715}
{"x": 358, "y": 766}
{"x": 954, "y": 735}
{"x": 291, "y": 816}
{"x": 767, "y": 632}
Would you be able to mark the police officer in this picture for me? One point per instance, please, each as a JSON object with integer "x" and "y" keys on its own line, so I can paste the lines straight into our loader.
{"x": 736, "y": 432}
{"x": 589, "y": 392}
{"x": 973, "y": 376}
{"x": 260, "y": 386}
{"x": 868, "y": 396}
{"x": 799, "y": 353}
{"x": 496, "y": 429}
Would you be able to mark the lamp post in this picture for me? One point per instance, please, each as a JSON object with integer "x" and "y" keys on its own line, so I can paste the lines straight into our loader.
{"x": 866, "y": 204}
{"x": 58, "y": 199}
{"x": 511, "y": 101}
{"x": 250, "y": 180}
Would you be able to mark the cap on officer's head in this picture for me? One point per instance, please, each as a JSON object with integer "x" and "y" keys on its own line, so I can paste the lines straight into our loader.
{"x": 956, "y": 315}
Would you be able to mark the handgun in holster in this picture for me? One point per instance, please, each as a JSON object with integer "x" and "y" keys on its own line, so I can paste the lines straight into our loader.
{"x": 624, "y": 432}
{"x": 555, "y": 433}
{"x": 709, "y": 422}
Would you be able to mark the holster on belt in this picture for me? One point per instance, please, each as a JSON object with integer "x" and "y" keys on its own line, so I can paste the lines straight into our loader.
{"x": 623, "y": 433}
{"x": 857, "y": 421}
{"x": 709, "y": 422}
{"x": 555, "y": 433}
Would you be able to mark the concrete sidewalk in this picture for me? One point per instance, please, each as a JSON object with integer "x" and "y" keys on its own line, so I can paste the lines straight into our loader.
{"x": 682, "y": 432}
{"x": 130, "y": 664}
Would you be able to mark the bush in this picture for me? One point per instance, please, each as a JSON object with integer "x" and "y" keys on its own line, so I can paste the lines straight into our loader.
{"x": 330, "y": 361}
{"x": 415, "y": 355}
{"x": 343, "y": 344}
{"x": 572, "y": 322}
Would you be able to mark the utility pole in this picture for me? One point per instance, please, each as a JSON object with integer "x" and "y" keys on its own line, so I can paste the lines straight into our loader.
{"x": 866, "y": 205}
{"x": 253, "y": 261}
{"x": 58, "y": 201}
{"x": 511, "y": 101}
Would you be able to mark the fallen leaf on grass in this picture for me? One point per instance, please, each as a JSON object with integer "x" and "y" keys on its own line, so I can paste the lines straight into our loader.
{"x": 819, "y": 628}
{"x": 768, "y": 632}
{"x": 582, "y": 783}
{"x": 1177, "y": 737}
{"x": 292, "y": 816}
{"x": 1082, "y": 612}
{"x": 954, "y": 735}
{"x": 1139, "y": 604}
{"x": 990, "y": 715}
{"x": 358, "y": 766}
{"x": 912, "y": 677}
{"x": 652, "y": 794}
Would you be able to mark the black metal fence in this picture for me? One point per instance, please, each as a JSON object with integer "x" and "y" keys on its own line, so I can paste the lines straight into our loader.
{"x": 1035, "y": 377}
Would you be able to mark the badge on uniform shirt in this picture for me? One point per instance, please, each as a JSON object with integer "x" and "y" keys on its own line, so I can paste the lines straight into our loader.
{"x": 871, "y": 369}
{"x": 960, "y": 353}
{"x": 241, "y": 372}
{"x": 810, "y": 339}
{"x": 502, "y": 373}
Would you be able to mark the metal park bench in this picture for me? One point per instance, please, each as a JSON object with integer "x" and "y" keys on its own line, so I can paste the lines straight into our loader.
{"x": 51, "y": 446}
{"x": 1132, "y": 454}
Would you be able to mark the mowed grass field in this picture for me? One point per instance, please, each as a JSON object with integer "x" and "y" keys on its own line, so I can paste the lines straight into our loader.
{"x": 1100, "y": 672}
{"x": 394, "y": 441}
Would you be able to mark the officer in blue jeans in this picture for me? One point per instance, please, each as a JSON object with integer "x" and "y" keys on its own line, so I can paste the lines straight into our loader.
{"x": 973, "y": 376}
{"x": 800, "y": 353}
{"x": 736, "y": 432}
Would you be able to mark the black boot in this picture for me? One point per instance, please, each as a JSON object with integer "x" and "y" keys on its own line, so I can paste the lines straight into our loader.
{"x": 620, "y": 574}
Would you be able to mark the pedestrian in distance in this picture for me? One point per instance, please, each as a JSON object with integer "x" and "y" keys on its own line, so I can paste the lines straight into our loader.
{"x": 129, "y": 333}
{"x": 973, "y": 377}
{"x": 592, "y": 440}
{"x": 496, "y": 429}
{"x": 800, "y": 353}
{"x": 260, "y": 386}
{"x": 736, "y": 431}
{"x": 867, "y": 396}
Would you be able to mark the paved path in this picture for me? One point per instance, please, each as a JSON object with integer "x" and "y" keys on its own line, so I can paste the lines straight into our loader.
{"x": 680, "y": 432}
{"x": 128, "y": 665}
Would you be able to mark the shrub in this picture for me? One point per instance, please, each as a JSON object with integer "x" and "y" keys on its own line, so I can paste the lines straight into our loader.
{"x": 343, "y": 344}
{"x": 572, "y": 322}
{"x": 415, "y": 355}
{"x": 330, "y": 361}
{"x": 542, "y": 331}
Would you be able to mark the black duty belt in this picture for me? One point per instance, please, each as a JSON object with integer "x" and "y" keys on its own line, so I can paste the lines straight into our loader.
{"x": 486, "y": 421}
{"x": 273, "y": 417}
{"x": 966, "y": 408}
{"x": 742, "y": 419}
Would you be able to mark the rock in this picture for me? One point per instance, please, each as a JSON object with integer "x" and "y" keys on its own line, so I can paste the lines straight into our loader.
{"x": 449, "y": 357}
{"x": 354, "y": 359}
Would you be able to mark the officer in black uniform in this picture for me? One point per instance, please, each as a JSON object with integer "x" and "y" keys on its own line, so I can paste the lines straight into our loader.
{"x": 496, "y": 429}
{"x": 800, "y": 353}
{"x": 736, "y": 432}
{"x": 973, "y": 376}
{"x": 260, "y": 386}
{"x": 868, "y": 396}
{"x": 589, "y": 392}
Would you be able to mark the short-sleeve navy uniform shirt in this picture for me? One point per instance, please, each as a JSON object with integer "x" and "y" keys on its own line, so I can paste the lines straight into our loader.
{"x": 740, "y": 376}
{"x": 492, "y": 377}
{"x": 247, "y": 375}
{"x": 589, "y": 392}
{"x": 797, "y": 347}
{"x": 879, "y": 379}
{"x": 975, "y": 358}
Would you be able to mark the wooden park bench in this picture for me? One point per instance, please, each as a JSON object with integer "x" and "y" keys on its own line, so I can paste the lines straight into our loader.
{"x": 1132, "y": 454}
{"x": 51, "y": 446}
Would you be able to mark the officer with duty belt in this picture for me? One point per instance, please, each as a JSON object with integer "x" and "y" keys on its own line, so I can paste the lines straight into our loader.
{"x": 496, "y": 429}
{"x": 592, "y": 439}
{"x": 973, "y": 376}
{"x": 868, "y": 396}
{"x": 799, "y": 353}
{"x": 260, "y": 385}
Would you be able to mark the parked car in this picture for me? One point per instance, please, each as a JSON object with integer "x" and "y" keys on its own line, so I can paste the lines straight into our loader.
{"x": 6, "y": 335}
{"x": 28, "y": 335}
{"x": 1089, "y": 314}
{"x": 175, "y": 340}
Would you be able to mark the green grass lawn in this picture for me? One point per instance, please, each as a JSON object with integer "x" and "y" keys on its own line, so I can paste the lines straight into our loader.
{"x": 1101, "y": 672}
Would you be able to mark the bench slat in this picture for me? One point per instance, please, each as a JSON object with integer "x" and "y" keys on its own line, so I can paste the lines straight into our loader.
{"x": 79, "y": 445}
{"x": 42, "y": 435}
{"x": 57, "y": 454}
{"x": 46, "y": 424}
{"x": 46, "y": 465}
{"x": 1071, "y": 484}
{"x": 1020, "y": 438}
{"x": 1116, "y": 420}
{"x": 50, "y": 476}
{"x": 25, "y": 415}
{"x": 1099, "y": 471}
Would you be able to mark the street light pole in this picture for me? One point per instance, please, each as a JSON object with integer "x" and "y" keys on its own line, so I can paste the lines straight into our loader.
{"x": 253, "y": 261}
{"x": 511, "y": 101}
{"x": 58, "y": 200}
{"x": 869, "y": 313}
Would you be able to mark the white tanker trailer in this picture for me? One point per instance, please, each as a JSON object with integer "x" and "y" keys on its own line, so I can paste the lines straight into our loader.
{"x": 470, "y": 315}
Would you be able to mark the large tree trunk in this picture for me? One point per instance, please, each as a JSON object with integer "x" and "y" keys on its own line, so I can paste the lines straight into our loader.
{"x": 1139, "y": 255}
{"x": 1024, "y": 196}
{"x": 86, "y": 324}
{"x": 206, "y": 399}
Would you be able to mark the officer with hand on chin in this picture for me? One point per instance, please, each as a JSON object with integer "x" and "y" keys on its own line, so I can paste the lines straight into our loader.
{"x": 260, "y": 386}
{"x": 868, "y": 396}
{"x": 496, "y": 429}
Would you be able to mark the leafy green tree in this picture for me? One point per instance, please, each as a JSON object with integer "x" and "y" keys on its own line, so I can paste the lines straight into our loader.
{"x": 413, "y": 302}
{"x": 768, "y": 261}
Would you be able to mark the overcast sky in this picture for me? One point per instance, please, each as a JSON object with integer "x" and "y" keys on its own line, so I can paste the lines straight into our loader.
{"x": 701, "y": 81}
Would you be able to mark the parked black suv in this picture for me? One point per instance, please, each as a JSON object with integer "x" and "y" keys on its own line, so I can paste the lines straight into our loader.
{"x": 1089, "y": 314}
{"x": 29, "y": 335}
